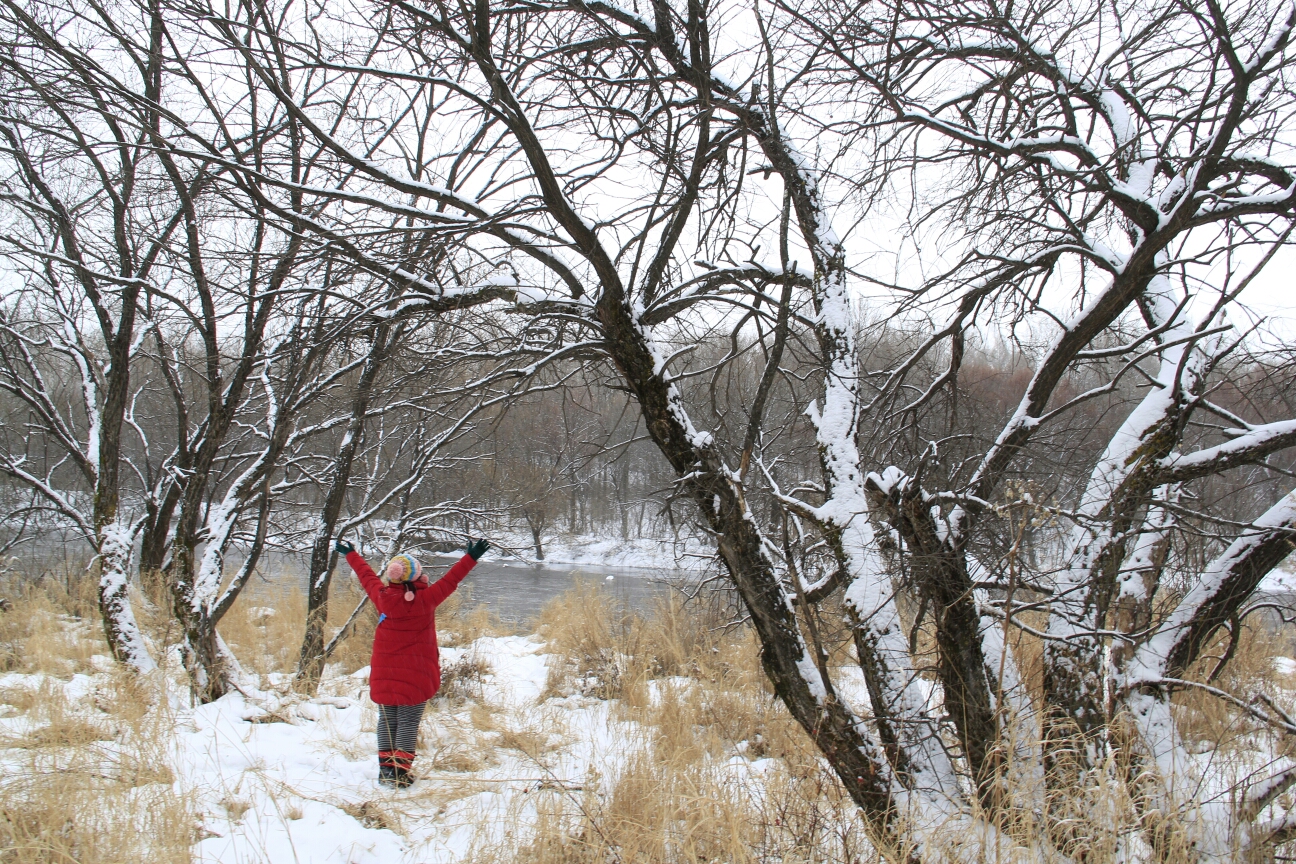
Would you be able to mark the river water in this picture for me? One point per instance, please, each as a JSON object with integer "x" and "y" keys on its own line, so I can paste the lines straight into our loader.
{"x": 516, "y": 592}
{"x": 513, "y": 590}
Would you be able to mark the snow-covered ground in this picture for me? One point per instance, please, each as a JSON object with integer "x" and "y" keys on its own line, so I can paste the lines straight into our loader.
{"x": 287, "y": 780}
{"x": 275, "y": 777}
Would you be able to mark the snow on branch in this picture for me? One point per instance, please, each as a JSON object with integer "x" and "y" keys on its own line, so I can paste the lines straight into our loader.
{"x": 1225, "y": 585}
{"x": 1251, "y": 445}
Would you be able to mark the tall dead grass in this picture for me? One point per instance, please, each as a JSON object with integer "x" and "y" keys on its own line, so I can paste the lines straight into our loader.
{"x": 721, "y": 772}
{"x": 85, "y": 773}
{"x": 713, "y": 769}
{"x": 1208, "y": 722}
{"x": 460, "y": 620}
{"x": 697, "y": 782}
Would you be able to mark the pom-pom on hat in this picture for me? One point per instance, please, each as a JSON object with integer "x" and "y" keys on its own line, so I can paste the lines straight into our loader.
{"x": 401, "y": 569}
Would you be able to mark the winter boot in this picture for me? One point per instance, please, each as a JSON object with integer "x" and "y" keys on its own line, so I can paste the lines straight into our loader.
{"x": 387, "y": 771}
{"x": 403, "y": 761}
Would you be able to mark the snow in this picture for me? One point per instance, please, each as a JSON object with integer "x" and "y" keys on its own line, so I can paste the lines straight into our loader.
{"x": 1258, "y": 439}
{"x": 1265, "y": 52}
{"x": 276, "y": 777}
{"x": 686, "y": 553}
{"x": 1122, "y": 124}
{"x": 220, "y": 522}
{"x": 1149, "y": 662}
{"x": 114, "y": 564}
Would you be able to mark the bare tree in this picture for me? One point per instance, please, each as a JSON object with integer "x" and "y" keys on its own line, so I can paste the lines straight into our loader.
{"x": 644, "y": 186}
{"x": 1098, "y": 184}
{"x": 268, "y": 245}
{"x": 90, "y": 213}
{"x": 618, "y": 291}
{"x": 1140, "y": 174}
{"x": 423, "y": 381}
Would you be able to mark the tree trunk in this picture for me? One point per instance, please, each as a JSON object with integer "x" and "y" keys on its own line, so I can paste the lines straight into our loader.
{"x": 941, "y": 577}
{"x": 202, "y": 658}
{"x": 535, "y": 539}
{"x": 122, "y": 632}
{"x": 157, "y": 524}
{"x": 838, "y": 734}
{"x": 311, "y": 658}
{"x": 113, "y": 541}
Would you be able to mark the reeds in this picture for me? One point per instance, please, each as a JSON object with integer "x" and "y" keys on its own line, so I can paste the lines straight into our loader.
{"x": 714, "y": 769}
{"x": 85, "y": 779}
{"x": 707, "y": 764}
{"x": 719, "y": 771}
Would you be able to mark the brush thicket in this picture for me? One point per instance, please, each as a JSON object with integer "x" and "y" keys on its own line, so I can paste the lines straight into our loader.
{"x": 709, "y": 764}
{"x": 696, "y": 784}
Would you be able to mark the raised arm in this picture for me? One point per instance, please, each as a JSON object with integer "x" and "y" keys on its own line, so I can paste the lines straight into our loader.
{"x": 445, "y": 586}
{"x": 369, "y": 580}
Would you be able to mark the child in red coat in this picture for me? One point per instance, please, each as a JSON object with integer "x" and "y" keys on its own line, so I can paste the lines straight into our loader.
{"x": 405, "y": 671}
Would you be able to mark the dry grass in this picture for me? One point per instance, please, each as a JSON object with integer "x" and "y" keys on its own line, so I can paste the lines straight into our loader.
{"x": 264, "y": 628}
{"x": 353, "y": 652}
{"x": 372, "y": 814}
{"x": 43, "y": 631}
{"x": 86, "y": 780}
{"x": 462, "y": 680}
{"x": 712, "y": 767}
{"x": 460, "y": 621}
{"x": 592, "y": 640}
{"x": 608, "y": 652}
{"x": 457, "y": 743}
{"x": 1210, "y": 723}
{"x": 690, "y": 786}
{"x": 697, "y": 692}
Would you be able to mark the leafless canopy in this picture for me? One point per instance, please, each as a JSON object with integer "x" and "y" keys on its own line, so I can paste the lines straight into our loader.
{"x": 687, "y": 199}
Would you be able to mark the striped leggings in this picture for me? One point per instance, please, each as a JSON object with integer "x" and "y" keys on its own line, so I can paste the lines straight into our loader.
{"x": 398, "y": 734}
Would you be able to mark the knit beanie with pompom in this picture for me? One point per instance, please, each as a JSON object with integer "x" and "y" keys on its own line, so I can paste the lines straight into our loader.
{"x": 401, "y": 569}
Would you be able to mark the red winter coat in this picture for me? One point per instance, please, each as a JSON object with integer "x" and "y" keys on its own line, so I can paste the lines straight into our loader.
{"x": 406, "y": 666}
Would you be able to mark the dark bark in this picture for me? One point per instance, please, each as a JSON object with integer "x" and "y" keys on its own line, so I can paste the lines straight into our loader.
{"x": 863, "y": 770}
{"x": 208, "y": 675}
{"x": 537, "y": 531}
{"x": 941, "y": 577}
{"x": 310, "y": 663}
{"x": 112, "y": 550}
{"x": 1242, "y": 580}
{"x": 155, "y": 541}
